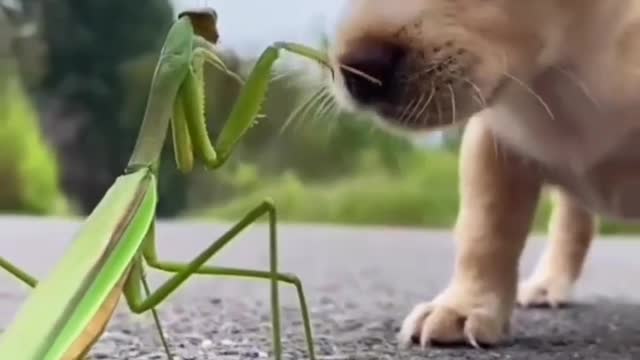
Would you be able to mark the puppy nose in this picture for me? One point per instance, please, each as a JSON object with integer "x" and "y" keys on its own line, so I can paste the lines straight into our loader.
{"x": 377, "y": 60}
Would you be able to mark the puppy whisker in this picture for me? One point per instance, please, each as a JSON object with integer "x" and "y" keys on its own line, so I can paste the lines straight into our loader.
{"x": 583, "y": 87}
{"x": 309, "y": 100}
{"x": 532, "y": 92}
{"x": 426, "y": 104}
{"x": 405, "y": 110}
{"x": 412, "y": 117}
{"x": 453, "y": 104}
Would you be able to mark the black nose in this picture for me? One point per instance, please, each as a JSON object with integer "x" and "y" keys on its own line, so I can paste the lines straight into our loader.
{"x": 377, "y": 60}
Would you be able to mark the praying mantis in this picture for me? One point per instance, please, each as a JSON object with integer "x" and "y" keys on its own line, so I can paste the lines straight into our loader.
{"x": 67, "y": 312}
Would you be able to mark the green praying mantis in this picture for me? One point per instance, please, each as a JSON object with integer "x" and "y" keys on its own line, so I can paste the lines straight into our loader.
{"x": 67, "y": 312}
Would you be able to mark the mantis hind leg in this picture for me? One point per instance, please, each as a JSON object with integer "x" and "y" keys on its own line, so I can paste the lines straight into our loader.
{"x": 18, "y": 273}
{"x": 182, "y": 271}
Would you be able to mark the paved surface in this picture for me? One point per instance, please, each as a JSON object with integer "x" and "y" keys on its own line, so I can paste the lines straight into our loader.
{"x": 360, "y": 283}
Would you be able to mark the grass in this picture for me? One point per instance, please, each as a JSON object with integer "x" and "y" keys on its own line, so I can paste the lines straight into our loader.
{"x": 422, "y": 193}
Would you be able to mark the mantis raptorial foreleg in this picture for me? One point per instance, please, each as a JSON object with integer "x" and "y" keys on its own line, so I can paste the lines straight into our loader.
{"x": 243, "y": 113}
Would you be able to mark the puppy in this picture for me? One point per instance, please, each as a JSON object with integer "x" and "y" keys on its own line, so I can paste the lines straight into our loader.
{"x": 549, "y": 94}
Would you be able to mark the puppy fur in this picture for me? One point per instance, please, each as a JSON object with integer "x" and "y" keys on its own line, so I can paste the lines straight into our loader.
{"x": 549, "y": 94}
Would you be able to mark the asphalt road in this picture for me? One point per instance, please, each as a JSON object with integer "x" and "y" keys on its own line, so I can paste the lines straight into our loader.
{"x": 360, "y": 283}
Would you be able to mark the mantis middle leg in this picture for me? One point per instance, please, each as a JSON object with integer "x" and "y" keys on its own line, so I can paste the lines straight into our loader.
{"x": 18, "y": 273}
{"x": 182, "y": 271}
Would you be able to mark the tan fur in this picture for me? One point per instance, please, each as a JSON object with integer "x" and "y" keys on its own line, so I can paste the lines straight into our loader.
{"x": 555, "y": 102}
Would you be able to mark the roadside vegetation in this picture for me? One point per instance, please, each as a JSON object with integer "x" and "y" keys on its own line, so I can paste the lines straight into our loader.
{"x": 72, "y": 105}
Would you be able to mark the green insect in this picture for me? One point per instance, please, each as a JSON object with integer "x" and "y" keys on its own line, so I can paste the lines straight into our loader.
{"x": 67, "y": 312}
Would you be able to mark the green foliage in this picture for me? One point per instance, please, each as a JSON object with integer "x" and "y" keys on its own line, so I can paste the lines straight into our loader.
{"x": 28, "y": 168}
{"x": 421, "y": 191}
{"x": 326, "y": 166}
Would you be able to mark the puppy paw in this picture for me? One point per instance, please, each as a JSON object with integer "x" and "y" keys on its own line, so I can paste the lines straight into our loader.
{"x": 548, "y": 291}
{"x": 459, "y": 322}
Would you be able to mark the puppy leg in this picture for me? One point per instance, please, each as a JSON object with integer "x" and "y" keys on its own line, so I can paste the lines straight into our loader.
{"x": 499, "y": 194}
{"x": 571, "y": 230}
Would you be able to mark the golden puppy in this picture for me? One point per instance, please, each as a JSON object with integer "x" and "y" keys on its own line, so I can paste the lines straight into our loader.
{"x": 549, "y": 92}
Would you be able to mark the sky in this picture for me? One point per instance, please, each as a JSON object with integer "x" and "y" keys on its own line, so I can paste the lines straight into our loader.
{"x": 248, "y": 26}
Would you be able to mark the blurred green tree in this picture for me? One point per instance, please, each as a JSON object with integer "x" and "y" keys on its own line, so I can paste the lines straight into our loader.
{"x": 91, "y": 45}
{"x": 28, "y": 169}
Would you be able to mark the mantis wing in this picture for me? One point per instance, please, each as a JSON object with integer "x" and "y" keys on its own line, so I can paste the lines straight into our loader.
{"x": 53, "y": 322}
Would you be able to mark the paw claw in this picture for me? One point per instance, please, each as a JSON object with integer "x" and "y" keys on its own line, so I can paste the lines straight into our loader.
{"x": 471, "y": 338}
{"x": 424, "y": 343}
{"x": 449, "y": 322}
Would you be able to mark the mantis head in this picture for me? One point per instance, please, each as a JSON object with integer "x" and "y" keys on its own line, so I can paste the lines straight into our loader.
{"x": 204, "y": 21}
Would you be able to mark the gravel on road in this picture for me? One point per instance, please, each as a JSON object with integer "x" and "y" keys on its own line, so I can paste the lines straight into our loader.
{"x": 360, "y": 283}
